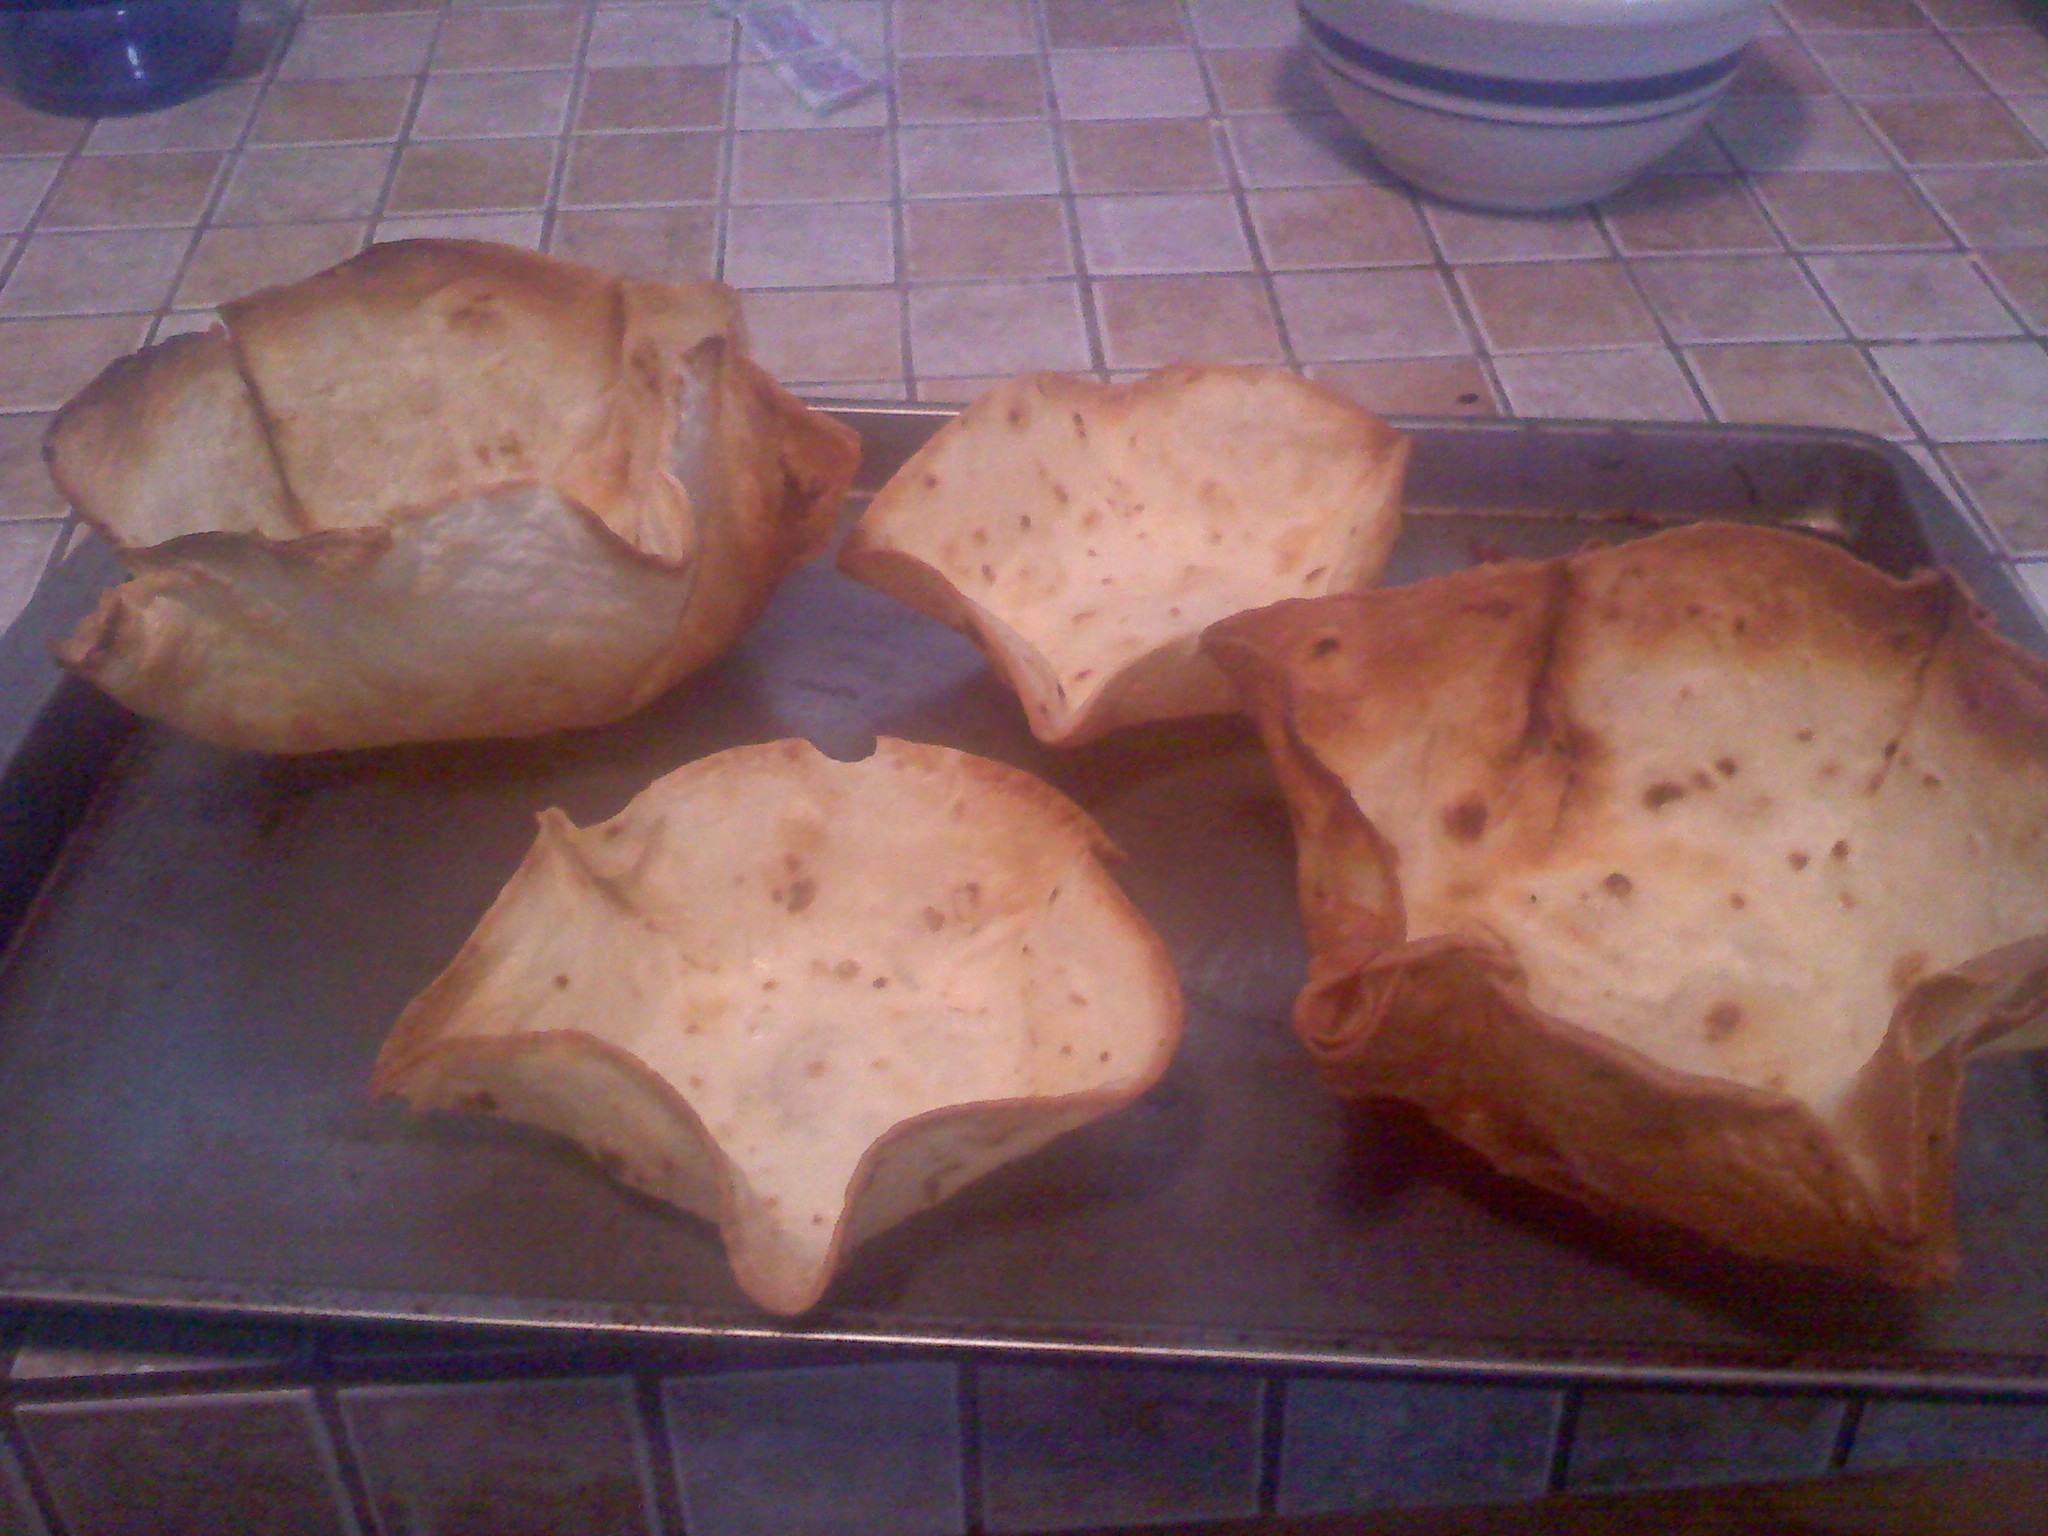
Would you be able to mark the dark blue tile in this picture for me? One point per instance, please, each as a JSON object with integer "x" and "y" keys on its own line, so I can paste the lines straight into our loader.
{"x": 18, "y": 1514}
{"x": 63, "y": 1350}
{"x": 1897, "y": 1433}
{"x": 514, "y": 1458}
{"x": 188, "y": 1466}
{"x": 1368, "y": 1444}
{"x": 854, "y": 1450}
{"x": 1065, "y": 1447}
{"x": 1631, "y": 1439}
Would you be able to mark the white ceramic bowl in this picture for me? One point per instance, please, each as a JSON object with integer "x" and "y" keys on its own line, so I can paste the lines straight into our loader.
{"x": 1526, "y": 104}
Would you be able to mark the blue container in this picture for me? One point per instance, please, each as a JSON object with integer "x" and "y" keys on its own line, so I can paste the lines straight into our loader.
{"x": 95, "y": 57}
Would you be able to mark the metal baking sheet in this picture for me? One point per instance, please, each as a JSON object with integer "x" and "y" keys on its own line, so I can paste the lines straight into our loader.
{"x": 217, "y": 943}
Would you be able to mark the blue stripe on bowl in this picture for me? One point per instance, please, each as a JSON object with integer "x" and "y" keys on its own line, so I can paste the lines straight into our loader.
{"x": 1645, "y": 90}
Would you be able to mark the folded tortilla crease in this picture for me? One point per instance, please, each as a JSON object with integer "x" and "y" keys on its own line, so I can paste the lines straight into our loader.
{"x": 1681, "y": 878}
{"x": 801, "y": 998}
{"x": 446, "y": 489}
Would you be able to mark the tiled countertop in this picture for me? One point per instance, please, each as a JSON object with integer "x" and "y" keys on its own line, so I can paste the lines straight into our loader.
{"x": 1861, "y": 240}
{"x": 1102, "y": 185}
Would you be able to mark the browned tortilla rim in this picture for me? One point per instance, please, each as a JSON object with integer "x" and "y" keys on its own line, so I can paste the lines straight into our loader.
{"x": 803, "y": 999}
{"x": 1084, "y": 534}
{"x": 1681, "y": 878}
{"x": 445, "y": 489}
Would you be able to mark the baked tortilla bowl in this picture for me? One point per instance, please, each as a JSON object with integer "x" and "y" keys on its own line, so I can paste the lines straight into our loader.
{"x": 1680, "y": 878}
{"x": 800, "y": 998}
{"x": 444, "y": 490}
{"x": 1083, "y": 535}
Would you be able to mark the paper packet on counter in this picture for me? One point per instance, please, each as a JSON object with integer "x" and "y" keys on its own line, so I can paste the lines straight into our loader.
{"x": 822, "y": 71}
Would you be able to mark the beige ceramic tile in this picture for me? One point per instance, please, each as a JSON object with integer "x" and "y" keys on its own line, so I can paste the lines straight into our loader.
{"x": 1629, "y": 383}
{"x": 957, "y": 392}
{"x": 1245, "y": 23}
{"x": 626, "y": 168}
{"x": 1266, "y": 80}
{"x": 43, "y": 363}
{"x": 24, "y": 554}
{"x": 106, "y": 272}
{"x": 368, "y": 45}
{"x": 2023, "y": 277}
{"x": 969, "y": 89}
{"x": 541, "y": 38}
{"x": 1468, "y": 235}
{"x": 792, "y": 166}
{"x": 1911, "y": 296}
{"x": 1164, "y": 82}
{"x": 2011, "y": 59}
{"x": 1357, "y": 226}
{"x": 234, "y": 261}
{"x": 1810, "y": 384}
{"x": 928, "y": 27}
{"x": 298, "y": 186}
{"x": 481, "y": 106}
{"x": 1280, "y": 150}
{"x": 827, "y": 334}
{"x": 658, "y": 34}
{"x": 26, "y": 490}
{"x": 986, "y": 238}
{"x": 1113, "y": 23}
{"x": 1556, "y": 305}
{"x": 848, "y": 389}
{"x": 25, "y": 131}
{"x": 473, "y": 176}
{"x": 1159, "y": 154}
{"x": 332, "y": 111}
{"x": 211, "y": 121}
{"x": 860, "y": 25}
{"x": 1962, "y": 15}
{"x": 2008, "y": 482}
{"x": 1346, "y": 316}
{"x": 1697, "y": 154}
{"x": 521, "y": 229}
{"x": 1851, "y": 210}
{"x": 1878, "y": 64}
{"x": 996, "y": 328}
{"x": 667, "y": 244}
{"x": 1414, "y": 386}
{"x": 1150, "y": 321}
{"x": 810, "y": 245}
{"x": 1851, "y": 15}
{"x": 1971, "y": 391}
{"x": 1798, "y": 133}
{"x": 2034, "y": 577}
{"x": 182, "y": 322}
{"x": 2033, "y": 111}
{"x": 1995, "y": 206}
{"x": 104, "y": 191}
{"x": 22, "y": 185}
{"x": 658, "y": 96}
{"x": 1667, "y": 215}
{"x": 975, "y": 159}
{"x": 368, "y": 7}
{"x": 1779, "y": 66}
{"x": 1734, "y": 298}
{"x": 762, "y": 100}
{"x": 1953, "y": 130}
{"x": 1161, "y": 233}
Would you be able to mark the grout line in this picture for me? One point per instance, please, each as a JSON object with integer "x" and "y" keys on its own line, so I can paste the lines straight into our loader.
{"x": 1272, "y": 1440}
{"x": 899, "y": 210}
{"x": 1070, "y": 203}
{"x": 1240, "y": 195}
{"x": 1563, "y": 1433}
{"x": 338, "y": 1451}
{"x": 558, "y": 174}
{"x": 728, "y": 152}
{"x": 967, "y": 1383}
{"x": 14, "y": 1445}
{"x": 654, "y": 1447}
{"x": 1845, "y": 1433}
